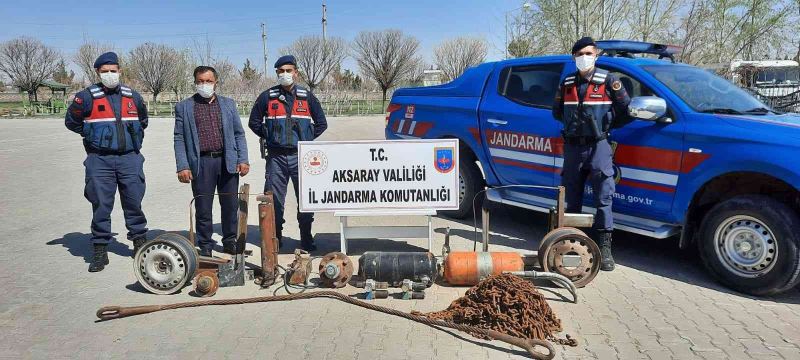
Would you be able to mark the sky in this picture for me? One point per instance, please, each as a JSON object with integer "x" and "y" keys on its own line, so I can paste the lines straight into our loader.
{"x": 234, "y": 27}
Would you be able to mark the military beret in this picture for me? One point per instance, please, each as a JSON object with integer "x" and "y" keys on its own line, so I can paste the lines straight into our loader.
{"x": 285, "y": 59}
{"x": 582, "y": 43}
{"x": 109, "y": 58}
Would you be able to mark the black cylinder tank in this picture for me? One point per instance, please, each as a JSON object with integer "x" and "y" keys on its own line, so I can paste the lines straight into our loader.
{"x": 394, "y": 267}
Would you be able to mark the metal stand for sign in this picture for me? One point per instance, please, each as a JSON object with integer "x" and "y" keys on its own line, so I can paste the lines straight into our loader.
{"x": 370, "y": 232}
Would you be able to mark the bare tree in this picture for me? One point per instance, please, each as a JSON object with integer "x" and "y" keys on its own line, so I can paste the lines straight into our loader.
{"x": 154, "y": 65}
{"x": 227, "y": 73}
{"x": 27, "y": 62}
{"x": 650, "y": 20}
{"x": 526, "y": 37}
{"x": 85, "y": 56}
{"x": 796, "y": 39}
{"x": 203, "y": 51}
{"x": 417, "y": 76}
{"x": 690, "y": 33}
{"x": 552, "y": 26}
{"x": 316, "y": 58}
{"x": 182, "y": 83}
{"x": 747, "y": 29}
{"x": 456, "y": 55}
{"x": 763, "y": 33}
{"x": 387, "y": 57}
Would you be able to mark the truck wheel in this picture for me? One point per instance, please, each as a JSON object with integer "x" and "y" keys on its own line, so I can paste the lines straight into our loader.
{"x": 470, "y": 182}
{"x": 750, "y": 243}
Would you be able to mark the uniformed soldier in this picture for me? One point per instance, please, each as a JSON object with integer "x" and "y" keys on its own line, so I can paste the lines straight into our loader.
{"x": 282, "y": 116}
{"x": 111, "y": 118}
{"x": 590, "y": 103}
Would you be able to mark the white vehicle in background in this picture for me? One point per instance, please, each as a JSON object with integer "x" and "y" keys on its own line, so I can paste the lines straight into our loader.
{"x": 776, "y": 82}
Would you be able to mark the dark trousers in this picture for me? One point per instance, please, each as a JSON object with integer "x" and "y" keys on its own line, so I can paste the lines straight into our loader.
{"x": 281, "y": 168}
{"x": 593, "y": 162}
{"x": 213, "y": 177}
{"x": 106, "y": 173}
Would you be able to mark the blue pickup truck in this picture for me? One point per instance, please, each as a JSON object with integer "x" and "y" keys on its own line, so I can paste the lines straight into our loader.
{"x": 703, "y": 159}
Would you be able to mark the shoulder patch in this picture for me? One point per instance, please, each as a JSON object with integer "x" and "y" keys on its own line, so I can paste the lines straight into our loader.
{"x": 616, "y": 85}
{"x": 78, "y": 100}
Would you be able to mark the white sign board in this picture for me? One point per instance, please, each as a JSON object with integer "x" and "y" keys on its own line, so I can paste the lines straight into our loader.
{"x": 378, "y": 174}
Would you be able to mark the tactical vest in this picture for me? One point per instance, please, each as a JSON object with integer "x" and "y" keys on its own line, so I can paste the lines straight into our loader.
{"x": 285, "y": 130}
{"x": 592, "y": 116}
{"x": 102, "y": 131}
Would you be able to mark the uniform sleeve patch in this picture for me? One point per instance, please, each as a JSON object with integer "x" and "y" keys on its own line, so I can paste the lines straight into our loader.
{"x": 78, "y": 100}
{"x": 616, "y": 85}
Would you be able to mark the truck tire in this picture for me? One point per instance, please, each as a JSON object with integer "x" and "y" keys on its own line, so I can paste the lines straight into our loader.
{"x": 750, "y": 244}
{"x": 470, "y": 183}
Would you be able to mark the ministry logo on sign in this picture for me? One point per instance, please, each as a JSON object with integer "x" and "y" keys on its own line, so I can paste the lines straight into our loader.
{"x": 315, "y": 162}
{"x": 443, "y": 159}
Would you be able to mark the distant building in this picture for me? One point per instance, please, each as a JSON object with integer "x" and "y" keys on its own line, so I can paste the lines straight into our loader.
{"x": 432, "y": 77}
{"x": 775, "y": 82}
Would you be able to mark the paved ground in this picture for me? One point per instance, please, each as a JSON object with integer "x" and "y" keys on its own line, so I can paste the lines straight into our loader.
{"x": 660, "y": 303}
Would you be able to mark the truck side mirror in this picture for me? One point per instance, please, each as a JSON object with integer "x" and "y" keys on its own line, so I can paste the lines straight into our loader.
{"x": 650, "y": 108}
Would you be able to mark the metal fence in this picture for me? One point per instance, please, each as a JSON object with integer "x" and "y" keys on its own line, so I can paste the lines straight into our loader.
{"x": 334, "y": 103}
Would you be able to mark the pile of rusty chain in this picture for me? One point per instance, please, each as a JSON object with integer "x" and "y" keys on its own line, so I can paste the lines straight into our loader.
{"x": 529, "y": 344}
{"x": 507, "y": 304}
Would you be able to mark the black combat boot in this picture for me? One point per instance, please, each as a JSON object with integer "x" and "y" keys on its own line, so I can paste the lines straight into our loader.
{"x": 99, "y": 258}
{"x": 229, "y": 247}
{"x": 307, "y": 239}
{"x": 606, "y": 260}
{"x": 204, "y": 252}
{"x": 138, "y": 242}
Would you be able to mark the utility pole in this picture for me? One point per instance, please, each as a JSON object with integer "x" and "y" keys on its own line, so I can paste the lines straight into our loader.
{"x": 264, "y": 43}
{"x": 324, "y": 20}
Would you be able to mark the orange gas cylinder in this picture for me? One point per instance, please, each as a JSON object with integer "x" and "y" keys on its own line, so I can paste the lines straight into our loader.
{"x": 469, "y": 267}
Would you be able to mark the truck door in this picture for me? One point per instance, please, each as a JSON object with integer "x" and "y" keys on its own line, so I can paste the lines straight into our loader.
{"x": 517, "y": 127}
{"x": 647, "y": 158}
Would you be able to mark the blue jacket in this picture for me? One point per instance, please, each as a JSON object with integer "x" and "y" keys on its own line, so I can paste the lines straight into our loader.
{"x": 110, "y": 120}
{"x": 270, "y": 129}
{"x": 187, "y": 145}
{"x": 604, "y": 105}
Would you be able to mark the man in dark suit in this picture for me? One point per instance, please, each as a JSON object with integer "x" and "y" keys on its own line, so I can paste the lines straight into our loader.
{"x": 211, "y": 153}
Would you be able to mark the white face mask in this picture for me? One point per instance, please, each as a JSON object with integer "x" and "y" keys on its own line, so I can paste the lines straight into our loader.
{"x": 205, "y": 90}
{"x": 285, "y": 79}
{"x": 584, "y": 62}
{"x": 109, "y": 79}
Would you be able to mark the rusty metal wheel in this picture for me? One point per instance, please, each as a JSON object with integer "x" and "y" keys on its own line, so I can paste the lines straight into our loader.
{"x": 335, "y": 270}
{"x": 165, "y": 264}
{"x": 206, "y": 283}
{"x": 569, "y": 252}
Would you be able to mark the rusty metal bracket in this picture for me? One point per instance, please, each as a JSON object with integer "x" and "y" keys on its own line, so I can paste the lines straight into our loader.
{"x": 300, "y": 268}
{"x": 560, "y": 218}
{"x": 269, "y": 242}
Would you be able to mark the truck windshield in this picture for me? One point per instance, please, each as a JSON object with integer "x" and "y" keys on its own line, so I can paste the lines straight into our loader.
{"x": 704, "y": 91}
{"x": 778, "y": 76}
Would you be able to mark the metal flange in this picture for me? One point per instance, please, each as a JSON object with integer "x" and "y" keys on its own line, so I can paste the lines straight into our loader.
{"x": 206, "y": 283}
{"x": 335, "y": 270}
